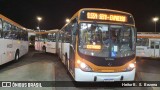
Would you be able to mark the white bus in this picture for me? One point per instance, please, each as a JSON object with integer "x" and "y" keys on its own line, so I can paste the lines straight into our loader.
{"x": 13, "y": 40}
{"x": 99, "y": 45}
{"x": 148, "y": 44}
{"x": 46, "y": 41}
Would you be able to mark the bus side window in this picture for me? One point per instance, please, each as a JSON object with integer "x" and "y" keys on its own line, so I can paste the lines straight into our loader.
{"x": 22, "y": 34}
{"x": 156, "y": 44}
{"x": 6, "y": 30}
{"x": 0, "y": 28}
{"x": 152, "y": 44}
{"x": 54, "y": 37}
{"x": 13, "y": 32}
{"x": 73, "y": 28}
{"x": 68, "y": 34}
{"x": 62, "y": 37}
{"x": 26, "y": 36}
{"x": 18, "y": 34}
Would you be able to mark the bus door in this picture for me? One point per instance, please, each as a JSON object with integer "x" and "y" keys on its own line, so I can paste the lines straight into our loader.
{"x": 72, "y": 51}
{"x": 155, "y": 48}
{"x": 72, "y": 54}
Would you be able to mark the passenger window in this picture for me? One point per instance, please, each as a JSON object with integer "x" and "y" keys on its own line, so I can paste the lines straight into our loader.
{"x": 156, "y": 45}
{"x": 0, "y": 28}
{"x": 68, "y": 34}
{"x": 15, "y": 31}
{"x": 14, "y": 35}
{"x": 7, "y": 33}
{"x": 51, "y": 37}
{"x": 152, "y": 44}
{"x": 18, "y": 34}
{"x": 74, "y": 30}
{"x": 25, "y": 36}
{"x": 60, "y": 37}
{"x": 142, "y": 42}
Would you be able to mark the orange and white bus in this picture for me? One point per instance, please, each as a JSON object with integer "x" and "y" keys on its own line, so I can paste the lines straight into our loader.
{"x": 148, "y": 44}
{"x": 46, "y": 41}
{"x": 13, "y": 39}
{"x": 99, "y": 45}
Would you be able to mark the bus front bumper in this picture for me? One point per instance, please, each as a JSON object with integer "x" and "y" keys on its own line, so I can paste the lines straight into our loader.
{"x": 97, "y": 76}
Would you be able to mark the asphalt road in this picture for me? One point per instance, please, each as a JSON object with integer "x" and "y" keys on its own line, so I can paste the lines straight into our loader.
{"x": 39, "y": 66}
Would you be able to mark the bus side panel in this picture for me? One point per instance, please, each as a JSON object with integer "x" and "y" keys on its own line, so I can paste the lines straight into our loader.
{"x": 141, "y": 51}
{"x": 2, "y": 51}
{"x": 37, "y": 45}
{"x": 10, "y": 53}
{"x": 20, "y": 47}
{"x": 7, "y": 53}
{"x": 51, "y": 47}
{"x": 26, "y": 47}
{"x": 41, "y": 45}
{"x": 23, "y": 48}
{"x": 65, "y": 50}
{"x": 16, "y": 46}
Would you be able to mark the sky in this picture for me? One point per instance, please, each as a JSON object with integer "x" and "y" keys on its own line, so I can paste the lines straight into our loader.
{"x": 54, "y": 12}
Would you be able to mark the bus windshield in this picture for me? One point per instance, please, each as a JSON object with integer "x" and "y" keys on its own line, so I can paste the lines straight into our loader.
{"x": 106, "y": 40}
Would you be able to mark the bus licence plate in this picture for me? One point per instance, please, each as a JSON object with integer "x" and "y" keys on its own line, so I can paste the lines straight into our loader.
{"x": 108, "y": 80}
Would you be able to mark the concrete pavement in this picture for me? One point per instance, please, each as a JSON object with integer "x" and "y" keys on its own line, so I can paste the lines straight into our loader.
{"x": 38, "y": 66}
{"x": 29, "y": 68}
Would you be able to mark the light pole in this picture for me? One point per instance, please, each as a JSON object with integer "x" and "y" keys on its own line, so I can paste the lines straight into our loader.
{"x": 155, "y": 19}
{"x": 39, "y": 20}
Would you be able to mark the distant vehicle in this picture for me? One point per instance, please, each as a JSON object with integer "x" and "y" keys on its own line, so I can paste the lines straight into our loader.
{"x": 46, "y": 41}
{"x": 13, "y": 39}
{"x": 99, "y": 45}
{"x": 148, "y": 44}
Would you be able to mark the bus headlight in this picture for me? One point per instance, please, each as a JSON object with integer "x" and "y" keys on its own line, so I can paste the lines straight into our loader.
{"x": 84, "y": 66}
{"x": 130, "y": 67}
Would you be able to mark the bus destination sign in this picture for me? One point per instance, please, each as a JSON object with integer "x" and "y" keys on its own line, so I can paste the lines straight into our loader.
{"x": 106, "y": 16}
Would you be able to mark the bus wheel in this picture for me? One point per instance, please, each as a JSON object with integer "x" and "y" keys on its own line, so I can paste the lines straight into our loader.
{"x": 17, "y": 56}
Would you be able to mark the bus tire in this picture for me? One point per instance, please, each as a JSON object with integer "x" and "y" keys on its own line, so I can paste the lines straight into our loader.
{"x": 17, "y": 56}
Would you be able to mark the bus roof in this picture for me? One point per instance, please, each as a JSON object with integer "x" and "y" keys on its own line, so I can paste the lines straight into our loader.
{"x": 78, "y": 13}
{"x": 12, "y": 22}
{"x": 148, "y": 35}
{"x": 48, "y": 31}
